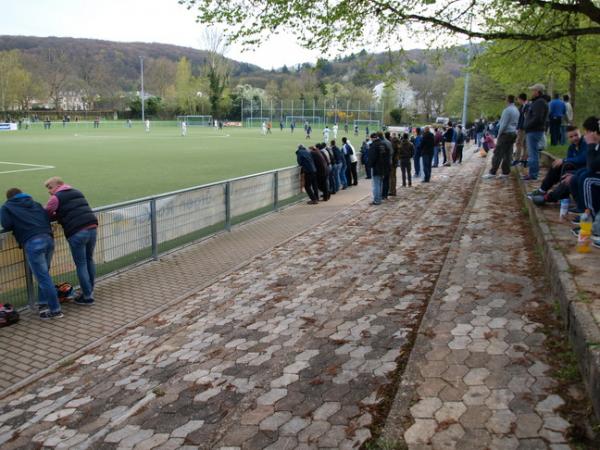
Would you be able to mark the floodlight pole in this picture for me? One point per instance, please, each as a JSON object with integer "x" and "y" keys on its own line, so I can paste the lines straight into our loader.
{"x": 142, "y": 79}
{"x": 466, "y": 93}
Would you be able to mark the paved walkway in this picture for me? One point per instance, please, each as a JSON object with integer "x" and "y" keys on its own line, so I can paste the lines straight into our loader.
{"x": 290, "y": 351}
{"x": 35, "y": 345}
{"x": 303, "y": 346}
{"x": 481, "y": 375}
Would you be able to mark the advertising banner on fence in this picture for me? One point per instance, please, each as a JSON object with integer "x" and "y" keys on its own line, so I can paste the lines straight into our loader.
{"x": 8, "y": 126}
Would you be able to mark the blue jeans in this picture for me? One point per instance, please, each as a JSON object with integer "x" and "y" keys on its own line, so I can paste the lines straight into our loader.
{"x": 82, "y": 246}
{"x": 39, "y": 250}
{"x": 377, "y": 183}
{"x": 417, "y": 162}
{"x": 336, "y": 176}
{"x": 436, "y": 156}
{"x": 343, "y": 179}
{"x": 426, "y": 168}
{"x": 534, "y": 143}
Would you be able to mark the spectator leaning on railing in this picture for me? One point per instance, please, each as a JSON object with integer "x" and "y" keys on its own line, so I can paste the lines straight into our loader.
{"x": 30, "y": 224}
{"x": 80, "y": 224}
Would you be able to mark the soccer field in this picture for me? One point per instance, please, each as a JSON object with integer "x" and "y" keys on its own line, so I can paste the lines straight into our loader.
{"x": 113, "y": 163}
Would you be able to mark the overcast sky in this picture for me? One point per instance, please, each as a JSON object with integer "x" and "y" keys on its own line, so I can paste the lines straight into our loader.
{"x": 163, "y": 21}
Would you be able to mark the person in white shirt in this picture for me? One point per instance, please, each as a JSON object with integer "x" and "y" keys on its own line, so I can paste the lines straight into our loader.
{"x": 183, "y": 128}
{"x": 335, "y": 131}
{"x": 326, "y": 134}
{"x": 147, "y": 125}
{"x": 264, "y": 129}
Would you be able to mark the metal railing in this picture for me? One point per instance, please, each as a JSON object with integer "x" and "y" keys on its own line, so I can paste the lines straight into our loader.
{"x": 142, "y": 229}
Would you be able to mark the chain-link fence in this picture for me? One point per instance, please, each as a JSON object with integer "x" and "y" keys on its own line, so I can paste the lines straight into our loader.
{"x": 139, "y": 230}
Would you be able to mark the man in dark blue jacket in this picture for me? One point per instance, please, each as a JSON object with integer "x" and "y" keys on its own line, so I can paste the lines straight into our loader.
{"x": 561, "y": 170}
{"x": 305, "y": 161}
{"x": 535, "y": 127}
{"x": 30, "y": 224}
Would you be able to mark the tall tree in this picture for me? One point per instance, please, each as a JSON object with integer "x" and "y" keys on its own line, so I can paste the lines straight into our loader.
{"x": 317, "y": 23}
{"x": 217, "y": 69}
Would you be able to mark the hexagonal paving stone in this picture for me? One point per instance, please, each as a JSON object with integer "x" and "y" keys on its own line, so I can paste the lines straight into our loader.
{"x": 420, "y": 432}
{"x": 426, "y": 408}
{"x": 476, "y": 376}
{"x": 450, "y": 411}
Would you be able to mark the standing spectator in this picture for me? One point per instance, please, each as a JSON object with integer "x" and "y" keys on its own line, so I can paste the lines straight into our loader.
{"x": 448, "y": 144}
{"x": 407, "y": 151}
{"x": 385, "y": 138}
{"x": 379, "y": 166}
{"x": 364, "y": 158}
{"x": 307, "y": 164}
{"x": 340, "y": 162}
{"x": 567, "y": 119}
{"x": 521, "y": 154}
{"x": 30, "y": 224}
{"x": 395, "y": 162}
{"x": 558, "y": 111}
{"x": 535, "y": 125}
{"x": 417, "y": 156}
{"x": 438, "y": 142}
{"x": 507, "y": 135}
{"x": 459, "y": 145}
{"x": 80, "y": 224}
{"x": 427, "y": 145}
{"x": 479, "y": 130}
{"x": 321, "y": 166}
{"x": 351, "y": 162}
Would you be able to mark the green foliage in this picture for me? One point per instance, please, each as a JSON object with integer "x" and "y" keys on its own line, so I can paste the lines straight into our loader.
{"x": 396, "y": 116}
{"x": 152, "y": 106}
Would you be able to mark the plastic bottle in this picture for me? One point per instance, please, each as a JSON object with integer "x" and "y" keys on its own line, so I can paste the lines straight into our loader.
{"x": 585, "y": 232}
{"x": 564, "y": 208}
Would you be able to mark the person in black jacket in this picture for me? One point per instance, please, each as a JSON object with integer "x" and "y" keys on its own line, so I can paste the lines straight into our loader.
{"x": 322, "y": 174}
{"x": 406, "y": 153}
{"x": 385, "y": 138}
{"x": 379, "y": 164}
{"x": 305, "y": 161}
{"x": 71, "y": 209}
{"x": 427, "y": 145}
{"x": 535, "y": 126}
{"x": 585, "y": 198}
{"x": 31, "y": 226}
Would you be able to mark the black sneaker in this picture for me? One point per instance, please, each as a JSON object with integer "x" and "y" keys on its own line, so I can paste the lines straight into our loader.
{"x": 84, "y": 301}
{"x": 575, "y": 220}
{"x": 575, "y": 231}
{"x": 538, "y": 200}
{"x": 47, "y": 314}
{"x": 574, "y": 210}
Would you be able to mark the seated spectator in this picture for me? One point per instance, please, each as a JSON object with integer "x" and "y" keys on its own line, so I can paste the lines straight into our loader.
{"x": 591, "y": 128}
{"x": 560, "y": 170}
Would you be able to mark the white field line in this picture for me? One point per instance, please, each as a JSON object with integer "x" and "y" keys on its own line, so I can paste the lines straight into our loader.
{"x": 30, "y": 167}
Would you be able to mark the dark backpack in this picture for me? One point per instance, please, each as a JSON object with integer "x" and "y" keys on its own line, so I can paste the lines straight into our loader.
{"x": 8, "y": 315}
{"x": 64, "y": 291}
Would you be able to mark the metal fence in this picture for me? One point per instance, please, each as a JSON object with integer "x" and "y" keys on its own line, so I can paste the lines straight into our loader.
{"x": 140, "y": 230}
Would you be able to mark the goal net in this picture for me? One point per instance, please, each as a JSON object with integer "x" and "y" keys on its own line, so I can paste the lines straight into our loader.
{"x": 300, "y": 120}
{"x": 205, "y": 121}
{"x": 256, "y": 121}
{"x": 372, "y": 124}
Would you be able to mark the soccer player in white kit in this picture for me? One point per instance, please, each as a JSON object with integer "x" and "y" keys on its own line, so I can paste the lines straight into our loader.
{"x": 183, "y": 128}
{"x": 264, "y": 129}
{"x": 335, "y": 130}
{"x": 326, "y": 134}
{"x": 147, "y": 125}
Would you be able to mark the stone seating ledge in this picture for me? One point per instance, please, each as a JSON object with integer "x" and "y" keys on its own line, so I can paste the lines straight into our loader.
{"x": 583, "y": 330}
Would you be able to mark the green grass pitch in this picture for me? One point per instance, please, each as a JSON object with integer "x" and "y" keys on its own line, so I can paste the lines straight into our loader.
{"x": 114, "y": 163}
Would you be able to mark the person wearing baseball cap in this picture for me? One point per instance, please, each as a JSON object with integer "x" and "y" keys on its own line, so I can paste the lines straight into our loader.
{"x": 535, "y": 126}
